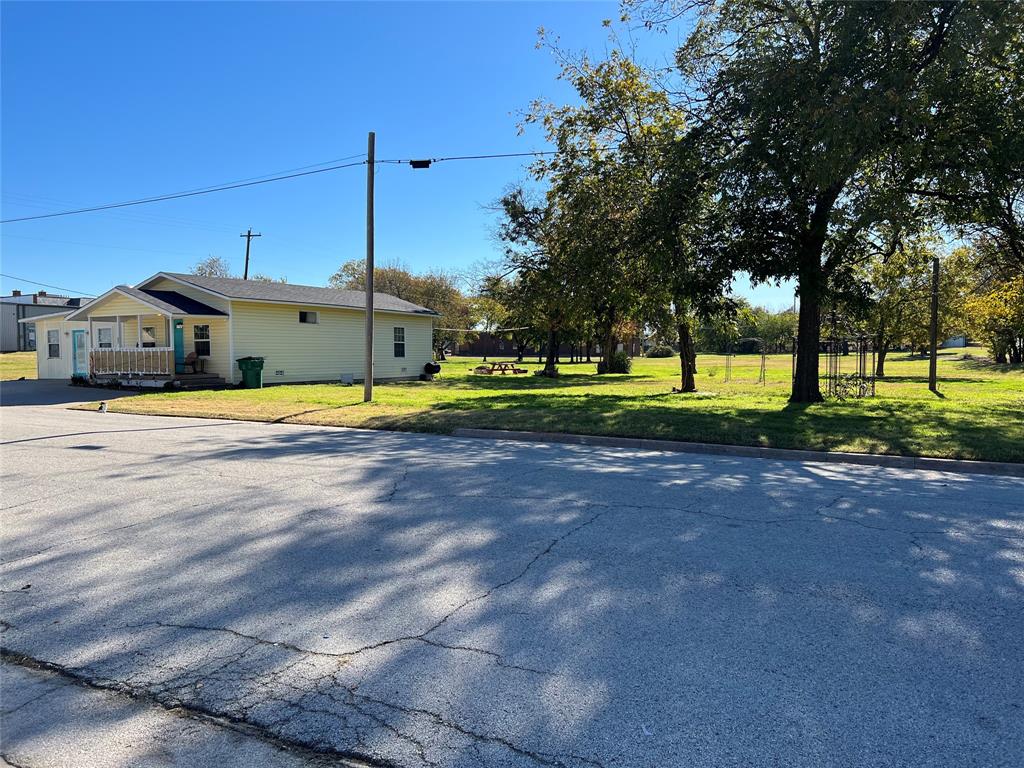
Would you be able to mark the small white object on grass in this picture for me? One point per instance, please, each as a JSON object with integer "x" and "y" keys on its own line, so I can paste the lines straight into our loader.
{"x": 103, "y": 407}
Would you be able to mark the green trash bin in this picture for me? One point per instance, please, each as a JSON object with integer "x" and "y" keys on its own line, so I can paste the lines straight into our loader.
{"x": 252, "y": 371}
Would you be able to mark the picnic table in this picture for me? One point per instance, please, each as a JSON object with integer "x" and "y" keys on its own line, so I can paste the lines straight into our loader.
{"x": 497, "y": 366}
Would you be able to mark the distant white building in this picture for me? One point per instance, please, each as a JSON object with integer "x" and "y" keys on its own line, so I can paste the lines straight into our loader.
{"x": 954, "y": 341}
{"x": 16, "y": 336}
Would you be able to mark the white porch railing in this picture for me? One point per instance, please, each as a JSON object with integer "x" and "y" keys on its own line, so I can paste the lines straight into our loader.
{"x": 128, "y": 361}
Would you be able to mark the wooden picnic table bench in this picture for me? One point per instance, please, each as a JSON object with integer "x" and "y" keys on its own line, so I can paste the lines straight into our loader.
{"x": 497, "y": 366}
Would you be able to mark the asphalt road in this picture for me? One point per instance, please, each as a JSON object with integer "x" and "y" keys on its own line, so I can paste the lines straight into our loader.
{"x": 427, "y": 601}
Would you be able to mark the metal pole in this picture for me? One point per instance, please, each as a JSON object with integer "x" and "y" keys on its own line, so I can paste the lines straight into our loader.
{"x": 933, "y": 361}
{"x": 368, "y": 365}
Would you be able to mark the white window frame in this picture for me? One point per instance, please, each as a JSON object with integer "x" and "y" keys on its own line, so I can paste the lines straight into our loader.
{"x": 52, "y": 340}
{"x": 196, "y": 340}
{"x": 308, "y": 313}
{"x": 100, "y": 343}
{"x": 150, "y": 331}
{"x": 398, "y": 334}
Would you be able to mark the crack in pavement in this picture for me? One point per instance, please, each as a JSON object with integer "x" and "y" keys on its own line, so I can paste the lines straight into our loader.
{"x": 323, "y": 756}
{"x": 183, "y": 689}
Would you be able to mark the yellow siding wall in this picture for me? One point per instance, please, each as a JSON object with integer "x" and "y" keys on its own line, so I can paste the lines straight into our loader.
{"x": 331, "y": 348}
{"x": 130, "y": 331}
{"x": 118, "y": 304}
{"x": 219, "y": 362}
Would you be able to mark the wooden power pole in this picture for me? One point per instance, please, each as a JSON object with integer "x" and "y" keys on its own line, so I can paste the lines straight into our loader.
{"x": 933, "y": 384}
{"x": 368, "y": 366}
{"x": 248, "y": 240}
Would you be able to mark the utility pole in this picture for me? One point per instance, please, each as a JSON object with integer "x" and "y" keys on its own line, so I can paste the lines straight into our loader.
{"x": 933, "y": 361}
{"x": 248, "y": 239}
{"x": 368, "y": 366}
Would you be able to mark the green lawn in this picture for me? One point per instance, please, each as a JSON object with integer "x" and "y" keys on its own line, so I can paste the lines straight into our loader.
{"x": 15, "y": 365}
{"x": 977, "y": 416}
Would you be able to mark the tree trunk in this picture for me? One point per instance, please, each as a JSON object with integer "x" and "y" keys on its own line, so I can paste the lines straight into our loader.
{"x": 607, "y": 350}
{"x": 519, "y": 350}
{"x": 881, "y": 347}
{"x": 686, "y": 358}
{"x": 589, "y": 345}
{"x": 549, "y": 364}
{"x": 805, "y": 380}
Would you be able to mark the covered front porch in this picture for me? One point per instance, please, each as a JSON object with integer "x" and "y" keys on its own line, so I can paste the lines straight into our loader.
{"x": 150, "y": 340}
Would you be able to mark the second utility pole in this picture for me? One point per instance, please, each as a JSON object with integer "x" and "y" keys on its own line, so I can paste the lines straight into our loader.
{"x": 933, "y": 357}
{"x": 368, "y": 366}
{"x": 248, "y": 239}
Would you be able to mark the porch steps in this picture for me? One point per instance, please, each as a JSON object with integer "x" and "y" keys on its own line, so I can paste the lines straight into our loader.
{"x": 199, "y": 381}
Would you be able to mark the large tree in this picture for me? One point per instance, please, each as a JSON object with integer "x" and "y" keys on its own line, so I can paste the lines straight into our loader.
{"x": 436, "y": 290}
{"x": 540, "y": 253}
{"x": 821, "y": 109}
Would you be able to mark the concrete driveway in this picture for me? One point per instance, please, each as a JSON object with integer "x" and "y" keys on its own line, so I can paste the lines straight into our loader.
{"x": 53, "y": 392}
{"x": 415, "y": 600}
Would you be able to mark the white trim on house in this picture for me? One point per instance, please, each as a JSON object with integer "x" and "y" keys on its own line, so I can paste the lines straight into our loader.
{"x": 50, "y": 316}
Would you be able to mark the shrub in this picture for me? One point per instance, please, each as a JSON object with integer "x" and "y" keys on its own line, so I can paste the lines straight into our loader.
{"x": 661, "y": 350}
{"x": 620, "y": 363}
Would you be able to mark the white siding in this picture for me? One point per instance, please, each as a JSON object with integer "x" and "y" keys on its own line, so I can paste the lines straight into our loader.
{"x": 329, "y": 349}
{"x": 55, "y": 367}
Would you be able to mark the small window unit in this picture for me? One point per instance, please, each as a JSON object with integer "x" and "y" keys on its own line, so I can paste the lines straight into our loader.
{"x": 399, "y": 342}
{"x": 53, "y": 343}
{"x": 105, "y": 338}
{"x": 149, "y": 335}
{"x": 201, "y": 340}
{"x": 310, "y": 318}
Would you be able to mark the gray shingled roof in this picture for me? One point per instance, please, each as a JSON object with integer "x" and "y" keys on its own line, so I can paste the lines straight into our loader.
{"x": 171, "y": 302}
{"x": 259, "y": 290}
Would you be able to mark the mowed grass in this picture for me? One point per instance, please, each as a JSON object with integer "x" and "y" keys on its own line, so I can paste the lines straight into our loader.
{"x": 17, "y": 365}
{"x": 978, "y": 415}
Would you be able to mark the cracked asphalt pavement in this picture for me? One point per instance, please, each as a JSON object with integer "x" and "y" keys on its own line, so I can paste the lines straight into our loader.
{"x": 414, "y": 600}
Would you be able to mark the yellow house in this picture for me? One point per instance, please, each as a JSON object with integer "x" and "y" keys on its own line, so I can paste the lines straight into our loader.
{"x": 191, "y": 330}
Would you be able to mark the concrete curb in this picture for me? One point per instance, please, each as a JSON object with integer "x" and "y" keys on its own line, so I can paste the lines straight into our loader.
{"x": 749, "y": 451}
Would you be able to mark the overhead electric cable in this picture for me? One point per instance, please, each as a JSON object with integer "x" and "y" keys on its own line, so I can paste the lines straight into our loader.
{"x": 44, "y": 285}
{"x": 189, "y": 193}
{"x": 253, "y": 181}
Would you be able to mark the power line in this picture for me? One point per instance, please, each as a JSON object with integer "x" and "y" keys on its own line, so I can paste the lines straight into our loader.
{"x": 189, "y": 193}
{"x": 428, "y": 161}
{"x": 253, "y": 181}
{"x": 44, "y": 285}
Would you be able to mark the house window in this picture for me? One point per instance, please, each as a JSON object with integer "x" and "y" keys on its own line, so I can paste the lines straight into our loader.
{"x": 399, "y": 342}
{"x": 53, "y": 343}
{"x": 201, "y": 339}
{"x": 149, "y": 336}
{"x": 309, "y": 317}
{"x": 105, "y": 338}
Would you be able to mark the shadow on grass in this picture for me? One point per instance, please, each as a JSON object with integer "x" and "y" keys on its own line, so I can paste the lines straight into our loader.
{"x": 872, "y": 427}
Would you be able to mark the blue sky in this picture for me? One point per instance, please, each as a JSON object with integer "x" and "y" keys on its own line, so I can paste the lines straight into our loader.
{"x": 108, "y": 102}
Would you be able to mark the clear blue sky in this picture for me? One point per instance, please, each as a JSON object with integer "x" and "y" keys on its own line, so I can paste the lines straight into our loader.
{"x": 108, "y": 102}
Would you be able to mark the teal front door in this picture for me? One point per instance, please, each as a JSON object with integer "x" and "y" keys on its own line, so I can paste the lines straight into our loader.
{"x": 79, "y": 354}
{"x": 179, "y": 346}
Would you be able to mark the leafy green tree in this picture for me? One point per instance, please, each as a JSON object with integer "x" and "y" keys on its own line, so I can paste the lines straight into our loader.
{"x": 539, "y": 252}
{"x": 819, "y": 110}
{"x": 997, "y": 316}
{"x": 436, "y": 290}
